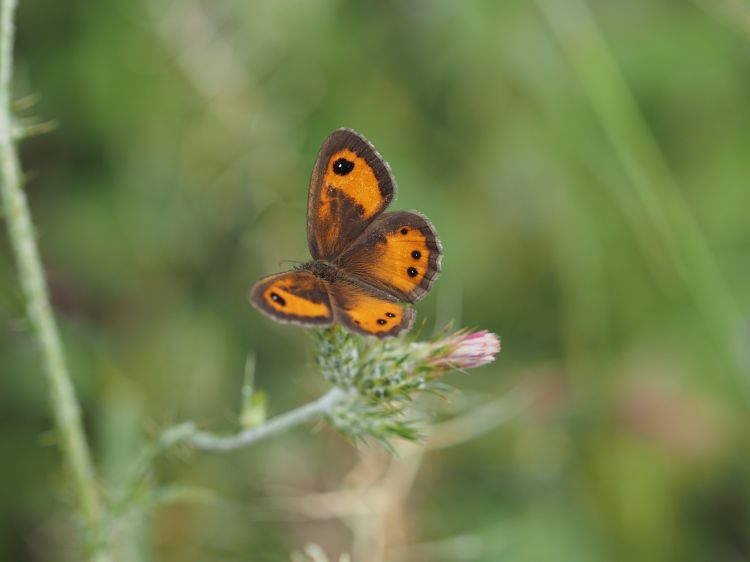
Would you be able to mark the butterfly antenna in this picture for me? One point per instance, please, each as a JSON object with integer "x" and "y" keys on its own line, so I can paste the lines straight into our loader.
{"x": 293, "y": 262}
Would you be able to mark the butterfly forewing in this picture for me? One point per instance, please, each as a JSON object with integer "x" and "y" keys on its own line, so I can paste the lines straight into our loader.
{"x": 399, "y": 254}
{"x": 351, "y": 185}
{"x": 293, "y": 296}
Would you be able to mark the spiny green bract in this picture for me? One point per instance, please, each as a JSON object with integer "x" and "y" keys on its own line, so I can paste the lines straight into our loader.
{"x": 383, "y": 377}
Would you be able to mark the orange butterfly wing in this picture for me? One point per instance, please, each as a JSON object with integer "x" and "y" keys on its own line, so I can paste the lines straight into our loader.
{"x": 367, "y": 311}
{"x": 351, "y": 185}
{"x": 293, "y": 296}
{"x": 366, "y": 262}
{"x": 399, "y": 254}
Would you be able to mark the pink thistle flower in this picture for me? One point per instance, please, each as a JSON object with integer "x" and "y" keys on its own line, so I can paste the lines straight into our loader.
{"x": 463, "y": 350}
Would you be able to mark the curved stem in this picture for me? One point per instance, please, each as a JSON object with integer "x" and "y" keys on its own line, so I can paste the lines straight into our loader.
{"x": 65, "y": 406}
{"x": 186, "y": 433}
{"x": 208, "y": 441}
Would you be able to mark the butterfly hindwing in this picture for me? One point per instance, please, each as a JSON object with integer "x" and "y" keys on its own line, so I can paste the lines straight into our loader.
{"x": 367, "y": 311}
{"x": 399, "y": 254}
{"x": 293, "y": 296}
{"x": 351, "y": 185}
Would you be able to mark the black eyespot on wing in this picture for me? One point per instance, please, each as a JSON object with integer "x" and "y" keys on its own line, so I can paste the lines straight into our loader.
{"x": 404, "y": 231}
{"x": 278, "y": 299}
{"x": 342, "y": 166}
{"x": 416, "y": 254}
{"x": 390, "y": 315}
{"x": 381, "y": 322}
{"x": 412, "y": 271}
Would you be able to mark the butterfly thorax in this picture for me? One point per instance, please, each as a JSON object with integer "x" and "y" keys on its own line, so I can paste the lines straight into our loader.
{"x": 322, "y": 269}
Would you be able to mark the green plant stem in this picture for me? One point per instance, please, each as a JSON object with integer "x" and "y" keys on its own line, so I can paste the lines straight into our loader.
{"x": 208, "y": 441}
{"x": 65, "y": 406}
{"x": 653, "y": 188}
{"x": 187, "y": 434}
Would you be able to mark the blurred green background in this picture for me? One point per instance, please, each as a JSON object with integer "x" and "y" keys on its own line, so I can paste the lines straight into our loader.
{"x": 587, "y": 166}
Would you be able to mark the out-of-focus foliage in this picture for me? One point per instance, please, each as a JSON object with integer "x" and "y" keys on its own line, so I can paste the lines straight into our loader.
{"x": 177, "y": 175}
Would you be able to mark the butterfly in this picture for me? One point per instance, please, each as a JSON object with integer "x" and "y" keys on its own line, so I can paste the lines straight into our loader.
{"x": 368, "y": 266}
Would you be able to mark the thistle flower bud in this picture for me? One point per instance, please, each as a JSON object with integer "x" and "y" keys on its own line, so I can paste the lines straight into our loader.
{"x": 464, "y": 350}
